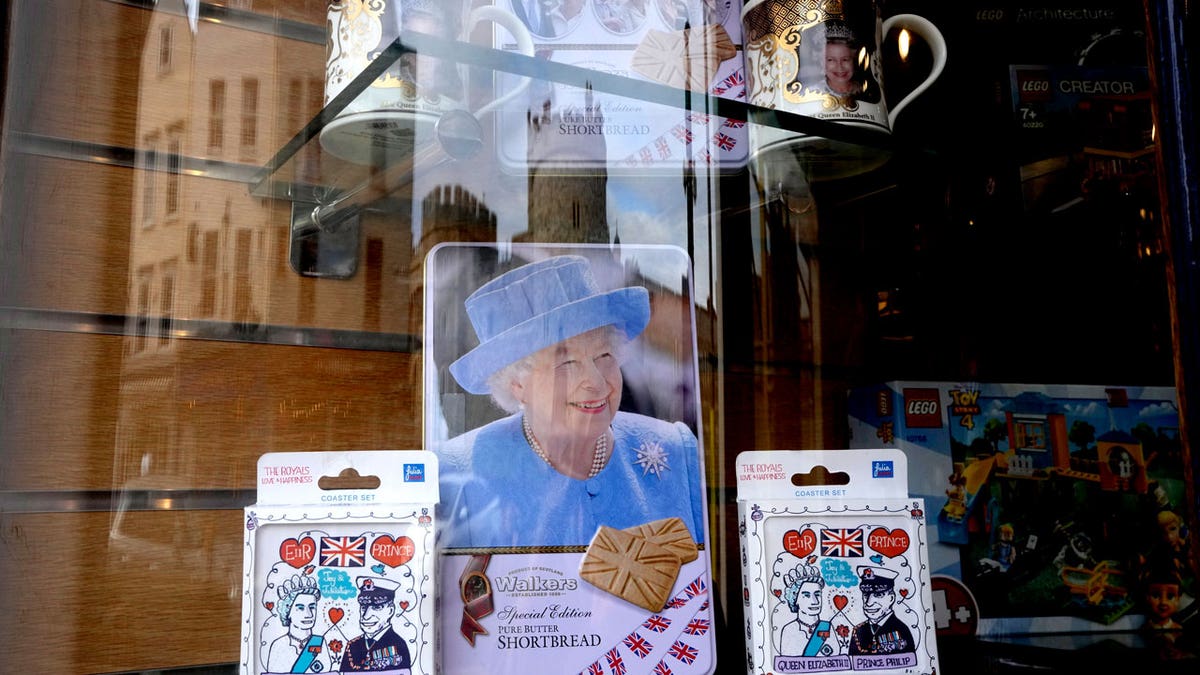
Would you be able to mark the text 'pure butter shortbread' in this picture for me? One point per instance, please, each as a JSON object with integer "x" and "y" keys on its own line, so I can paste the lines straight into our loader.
{"x": 630, "y": 567}
{"x": 670, "y": 533}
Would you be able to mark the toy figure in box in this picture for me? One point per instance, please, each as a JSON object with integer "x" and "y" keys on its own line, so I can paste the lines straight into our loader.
{"x": 1004, "y": 552}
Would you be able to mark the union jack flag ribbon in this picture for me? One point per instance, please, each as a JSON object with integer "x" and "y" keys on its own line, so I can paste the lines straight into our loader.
{"x": 663, "y": 148}
{"x": 682, "y": 133}
{"x": 594, "y": 669}
{"x": 638, "y": 645}
{"x": 662, "y": 668}
{"x": 343, "y": 551}
{"x": 616, "y": 665}
{"x": 657, "y": 623}
{"x": 697, "y": 627}
{"x": 697, "y": 587}
{"x": 725, "y": 141}
{"x": 842, "y": 543}
{"x": 684, "y": 652}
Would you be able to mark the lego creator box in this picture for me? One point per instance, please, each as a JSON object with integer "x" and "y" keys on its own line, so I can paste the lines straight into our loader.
{"x": 1052, "y": 507}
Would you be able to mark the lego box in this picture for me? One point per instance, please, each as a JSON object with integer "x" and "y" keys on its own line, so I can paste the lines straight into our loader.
{"x": 1053, "y": 508}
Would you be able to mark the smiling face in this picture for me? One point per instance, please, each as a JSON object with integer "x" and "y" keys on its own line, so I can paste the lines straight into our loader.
{"x": 839, "y": 67}
{"x": 877, "y": 603}
{"x": 375, "y": 618}
{"x": 303, "y": 614}
{"x": 572, "y": 391}
{"x": 808, "y": 602}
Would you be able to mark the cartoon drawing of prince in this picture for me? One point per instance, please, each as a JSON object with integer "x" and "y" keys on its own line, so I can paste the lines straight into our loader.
{"x": 883, "y": 632}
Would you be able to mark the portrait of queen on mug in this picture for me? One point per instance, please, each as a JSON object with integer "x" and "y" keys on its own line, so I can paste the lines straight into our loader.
{"x": 845, "y": 66}
{"x": 556, "y": 398}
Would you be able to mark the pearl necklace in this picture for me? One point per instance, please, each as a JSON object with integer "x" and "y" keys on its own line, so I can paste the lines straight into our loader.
{"x": 599, "y": 455}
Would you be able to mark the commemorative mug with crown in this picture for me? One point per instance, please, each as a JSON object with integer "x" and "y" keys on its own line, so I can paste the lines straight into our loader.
{"x": 823, "y": 59}
{"x": 403, "y": 104}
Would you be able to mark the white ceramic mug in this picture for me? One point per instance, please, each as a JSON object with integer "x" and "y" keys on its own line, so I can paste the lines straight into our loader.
{"x": 416, "y": 90}
{"x": 822, "y": 59}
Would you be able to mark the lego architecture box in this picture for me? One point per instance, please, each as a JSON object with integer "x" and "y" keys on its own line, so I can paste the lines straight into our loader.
{"x": 1052, "y": 507}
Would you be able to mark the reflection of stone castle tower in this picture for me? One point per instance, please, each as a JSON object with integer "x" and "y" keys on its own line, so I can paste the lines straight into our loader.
{"x": 450, "y": 213}
{"x": 567, "y": 205}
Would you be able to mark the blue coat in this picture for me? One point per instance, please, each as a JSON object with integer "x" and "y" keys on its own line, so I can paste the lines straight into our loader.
{"x": 497, "y": 492}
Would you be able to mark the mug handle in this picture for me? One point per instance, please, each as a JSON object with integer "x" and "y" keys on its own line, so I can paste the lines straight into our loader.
{"x": 929, "y": 32}
{"x": 513, "y": 25}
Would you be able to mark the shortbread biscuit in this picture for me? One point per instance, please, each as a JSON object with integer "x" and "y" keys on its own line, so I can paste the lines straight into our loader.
{"x": 687, "y": 58}
{"x": 671, "y": 534}
{"x": 630, "y": 568}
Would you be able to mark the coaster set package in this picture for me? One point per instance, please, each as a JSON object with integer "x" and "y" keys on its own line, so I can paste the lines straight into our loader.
{"x": 338, "y": 572}
{"x": 834, "y": 564}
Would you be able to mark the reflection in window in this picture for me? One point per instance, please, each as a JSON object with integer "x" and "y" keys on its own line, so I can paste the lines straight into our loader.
{"x": 165, "y": 38}
{"x": 243, "y": 304}
{"x": 144, "y": 278}
{"x": 216, "y": 115}
{"x": 166, "y": 303}
{"x": 174, "y": 171}
{"x": 193, "y": 237}
{"x": 150, "y": 169}
{"x": 249, "y": 112}
{"x": 208, "y": 274}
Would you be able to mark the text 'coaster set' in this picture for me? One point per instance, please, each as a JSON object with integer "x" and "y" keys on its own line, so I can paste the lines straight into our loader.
{"x": 834, "y": 564}
{"x": 339, "y": 565}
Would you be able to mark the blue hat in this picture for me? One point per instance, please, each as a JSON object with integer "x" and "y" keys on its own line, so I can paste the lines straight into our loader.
{"x": 538, "y": 305}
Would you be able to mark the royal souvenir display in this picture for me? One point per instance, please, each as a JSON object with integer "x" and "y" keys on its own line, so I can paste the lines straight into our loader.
{"x": 561, "y": 399}
{"x": 834, "y": 564}
{"x": 339, "y": 571}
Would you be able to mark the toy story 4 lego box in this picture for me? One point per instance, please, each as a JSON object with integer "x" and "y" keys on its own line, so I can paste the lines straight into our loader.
{"x": 1053, "y": 508}
{"x": 834, "y": 564}
{"x": 338, "y": 571}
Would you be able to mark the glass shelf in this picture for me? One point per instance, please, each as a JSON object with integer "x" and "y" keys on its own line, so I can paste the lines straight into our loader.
{"x": 302, "y": 170}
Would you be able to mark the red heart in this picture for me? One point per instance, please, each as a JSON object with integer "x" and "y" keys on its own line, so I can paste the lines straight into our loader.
{"x": 403, "y": 605}
{"x": 392, "y": 552}
{"x": 336, "y": 614}
{"x": 777, "y": 592}
{"x": 904, "y": 592}
{"x": 891, "y": 543}
{"x": 799, "y": 544}
{"x": 297, "y": 553}
{"x": 840, "y": 601}
{"x": 269, "y": 605}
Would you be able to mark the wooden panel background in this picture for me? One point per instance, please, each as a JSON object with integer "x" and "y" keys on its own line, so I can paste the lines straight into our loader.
{"x": 162, "y": 590}
{"x": 95, "y": 592}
